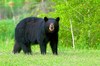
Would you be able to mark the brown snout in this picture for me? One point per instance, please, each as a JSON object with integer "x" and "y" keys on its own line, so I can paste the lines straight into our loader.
{"x": 51, "y": 27}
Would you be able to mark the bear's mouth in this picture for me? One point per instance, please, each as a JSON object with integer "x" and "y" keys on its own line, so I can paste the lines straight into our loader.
{"x": 51, "y": 27}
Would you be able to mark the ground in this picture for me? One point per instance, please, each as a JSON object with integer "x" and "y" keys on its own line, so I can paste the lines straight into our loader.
{"x": 66, "y": 57}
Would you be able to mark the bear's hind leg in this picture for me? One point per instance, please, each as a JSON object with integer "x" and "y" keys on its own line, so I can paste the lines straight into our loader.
{"x": 26, "y": 49}
{"x": 16, "y": 48}
{"x": 29, "y": 48}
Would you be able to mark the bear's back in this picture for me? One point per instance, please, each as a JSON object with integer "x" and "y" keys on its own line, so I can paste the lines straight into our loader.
{"x": 29, "y": 28}
{"x": 27, "y": 21}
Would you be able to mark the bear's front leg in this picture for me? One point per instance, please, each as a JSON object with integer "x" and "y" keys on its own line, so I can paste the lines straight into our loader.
{"x": 43, "y": 48}
{"x": 54, "y": 45}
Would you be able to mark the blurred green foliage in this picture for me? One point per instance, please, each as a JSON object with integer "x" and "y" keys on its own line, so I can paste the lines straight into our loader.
{"x": 86, "y": 22}
{"x": 85, "y": 16}
{"x": 6, "y": 29}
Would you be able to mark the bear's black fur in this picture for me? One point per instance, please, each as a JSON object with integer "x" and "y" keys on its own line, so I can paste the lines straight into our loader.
{"x": 33, "y": 30}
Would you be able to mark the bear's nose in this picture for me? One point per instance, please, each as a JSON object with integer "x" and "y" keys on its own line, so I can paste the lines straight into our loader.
{"x": 52, "y": 27}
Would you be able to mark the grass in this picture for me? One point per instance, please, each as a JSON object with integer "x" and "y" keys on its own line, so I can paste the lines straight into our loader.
{"x": 85, "y": 16}
{"x": 66, "y": 57}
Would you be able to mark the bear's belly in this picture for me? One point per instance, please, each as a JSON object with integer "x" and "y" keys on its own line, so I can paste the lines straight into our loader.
{"x": 34, "y": 42}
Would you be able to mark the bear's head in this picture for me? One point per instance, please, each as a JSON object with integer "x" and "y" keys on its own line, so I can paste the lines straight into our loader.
{"x": 51, "y": 24}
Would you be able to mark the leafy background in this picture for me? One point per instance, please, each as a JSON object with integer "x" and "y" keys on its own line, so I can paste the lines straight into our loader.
{"x": 84, "y": 14}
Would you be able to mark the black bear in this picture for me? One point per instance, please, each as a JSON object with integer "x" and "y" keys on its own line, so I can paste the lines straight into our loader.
{"x": 33, "y": 30}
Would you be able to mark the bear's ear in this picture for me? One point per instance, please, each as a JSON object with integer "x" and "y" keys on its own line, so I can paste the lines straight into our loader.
{"x": 57, "y": 19}
{"x": 45, "y": 19}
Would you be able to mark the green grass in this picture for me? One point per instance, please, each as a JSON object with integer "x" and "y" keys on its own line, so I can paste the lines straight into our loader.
{"x": 66, "y": 57}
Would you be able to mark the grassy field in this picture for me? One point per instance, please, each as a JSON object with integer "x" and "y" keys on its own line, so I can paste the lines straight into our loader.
{"x": 66, "y": 57}
{"x": 85, "y": 17}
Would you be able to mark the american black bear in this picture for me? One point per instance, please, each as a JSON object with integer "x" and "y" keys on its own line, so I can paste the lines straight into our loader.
{"x": 33, "y": 30}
